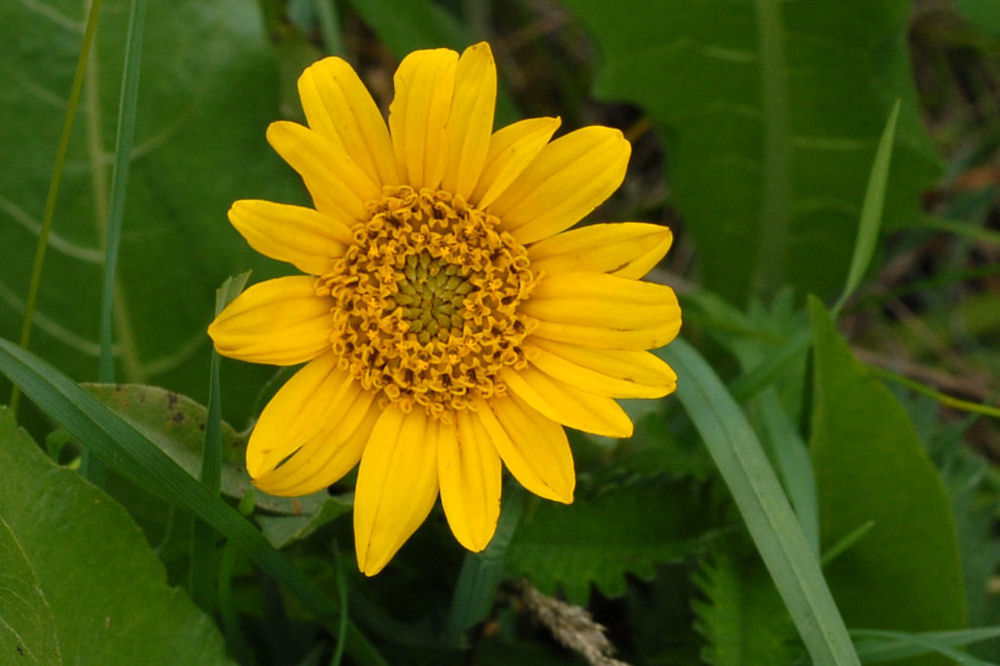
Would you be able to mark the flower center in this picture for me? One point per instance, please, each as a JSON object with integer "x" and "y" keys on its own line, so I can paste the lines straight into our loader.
{"x": 427, "y": 301}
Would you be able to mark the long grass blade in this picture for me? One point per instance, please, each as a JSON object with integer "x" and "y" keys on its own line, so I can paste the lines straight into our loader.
{"x": 871, "y": 211}
{"x": 119, "y": 181}
{"x": 203, "y": 538}
{"x": 877, "y": 645}
{"x": 50, "y": 200}
{"x": 775, "y": 530}
{"x": 130, "y": 453}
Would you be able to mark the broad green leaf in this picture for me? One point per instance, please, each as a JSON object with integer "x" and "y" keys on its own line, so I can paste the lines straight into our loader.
{"x": 741, "y": 616}
{"x": 207, "y": 91}
{"x": 768, "y": 516}
{"x": 127, "y": 451}
{"x": 27, "y": 628}
{"x": 771, "y": 112}
{"x": 904, "y": 574}
{"x": 96, "y": 585}
{"x": 628, "y": 529}
{"x": 283, "y": 530}
{"x": 984, "y": 14}
{"x": 176, "y": 424}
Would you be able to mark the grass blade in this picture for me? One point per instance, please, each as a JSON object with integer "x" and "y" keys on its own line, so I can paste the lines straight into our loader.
{"x": 877, "y": 645}
{"x": 871, "y": 211}
{"x": 126, "y": 450}
{"x": 769, "y": 518}
{"x": 119, "y": 181}
{"x": 203, "y": 570}
{"x": 50, "y": 200}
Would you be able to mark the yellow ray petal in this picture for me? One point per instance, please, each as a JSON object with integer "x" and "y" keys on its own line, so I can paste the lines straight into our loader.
{"x": 567, "y": 405}
{"x": 604, "y": 311}
{"x": 397, "y": 485}
{"x": 470, "y": 474}
{"x": 418, "y": 115}
{"x": 511, "y": 150}
{"x": 337, "y": 186}
{"x": 626, "y": 249}
{"x": 332, "y": 451}
{"x": 280, "y": 321}
{"x": 596, "y": 299}
{"x": 338, "y": 106}
{"x": 570, "y": 177}
{"x": 607, "y": 373}
{"x": 471, "y": 120}
{"x": 301, "y": 236}
{"x": 533, "y": 447}
{"x": 296, "y": 412}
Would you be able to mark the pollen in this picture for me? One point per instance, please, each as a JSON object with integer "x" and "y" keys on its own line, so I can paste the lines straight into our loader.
{"x": 427, "y": 301}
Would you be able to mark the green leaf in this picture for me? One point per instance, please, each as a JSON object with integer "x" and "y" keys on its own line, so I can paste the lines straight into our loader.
{"x": 984, "y": 14}
{"x": 771, "y": 116}
{"x": 81, "y": 586}
{"x": 765, "y": 509}
{"x": 741, "y": 617}
{"x": 870, "y": 466}
{"x": 628, "y": 529}
{"x": 283, "y": 530}
{"x": 176, "y": 424}
{"x": 127, "y": 451}
{"x": 203, "y": 105}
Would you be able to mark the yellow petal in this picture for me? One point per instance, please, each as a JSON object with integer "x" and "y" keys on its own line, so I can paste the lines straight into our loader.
{"x": 533, "y": 447}
{"x": 296, "y": 412}
{"x": 567, "y": 405}
{"x": 570, "y": 177}
{"x": 626, "y": 249}
{"x": 301, "y": 236}
{"x": 332, "y": 451}
{"x": 280, "y": 321}
{"x": 470, "y": 474}
{"x": 608, "y": 373}
{"x": 511, "y": 150}
{"x": 397, "y": 485}
{"x": 604, "y": 311}
{"x": 338, "y": 106}
{"x": 337, "y": 186}
{"x": 418, "y": 115}
{"x": 471, "y": 120}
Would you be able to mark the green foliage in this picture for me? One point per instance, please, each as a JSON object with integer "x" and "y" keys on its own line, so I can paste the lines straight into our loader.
{"x": 770, "y": 117}
{"x": 205, "y": 96}
{"x": 905, "y": 573}
{"x": 741, "y": 615}
{"x": 80, "y": 585}
{"x": 624, "y": 530}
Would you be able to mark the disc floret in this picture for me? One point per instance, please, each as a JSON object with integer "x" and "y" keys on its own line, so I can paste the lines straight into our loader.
{"x": 427, "y": 301}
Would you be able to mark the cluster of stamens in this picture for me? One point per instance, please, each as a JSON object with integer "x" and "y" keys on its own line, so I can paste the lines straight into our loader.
{"x": 426, "y": 301}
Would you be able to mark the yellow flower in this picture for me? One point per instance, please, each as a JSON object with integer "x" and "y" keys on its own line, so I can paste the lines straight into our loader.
{"x": 447, "y": 320}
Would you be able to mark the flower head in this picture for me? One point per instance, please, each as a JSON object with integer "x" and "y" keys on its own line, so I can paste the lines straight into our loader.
{"x": 447, "y": 320}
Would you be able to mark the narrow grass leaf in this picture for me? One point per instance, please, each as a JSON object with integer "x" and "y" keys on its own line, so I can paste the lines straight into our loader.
{"x": 966, "y": 229}
{"x": 50, "y": 199}
{"x": 119, "y": 180}
{"x": 876, "y": 646}
{"x": 130, "y": 453}
{"x": 871, "y": 210}
{"x": 769, "y": 518}
{"x": 203, "y": 571}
